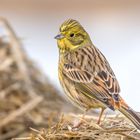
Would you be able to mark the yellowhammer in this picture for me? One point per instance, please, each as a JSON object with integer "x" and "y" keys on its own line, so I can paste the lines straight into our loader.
{"x": 86, "y": 75}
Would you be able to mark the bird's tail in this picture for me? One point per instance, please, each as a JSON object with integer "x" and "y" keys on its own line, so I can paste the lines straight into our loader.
{"x": 132, "y": 115}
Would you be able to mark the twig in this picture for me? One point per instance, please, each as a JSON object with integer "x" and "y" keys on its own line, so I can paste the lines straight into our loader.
{"x": 26, "y": 138}
{"x": 8, "y": 89}
{"x": 23, "y": 109}
{"x": 129, "y": 136}
{"x": 18, "y": 56}
{"x": 4, "y": 65}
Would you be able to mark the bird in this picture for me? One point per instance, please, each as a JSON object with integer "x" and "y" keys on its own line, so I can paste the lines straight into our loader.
{"x": 85, "y": 74}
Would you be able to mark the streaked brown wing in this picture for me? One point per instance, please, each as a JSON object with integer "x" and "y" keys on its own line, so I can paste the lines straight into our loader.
{"x": 106, "y": 89}
{"x": 108, "y": 81}
{"x": 76, "y": 74}
{"x": 101, "y": 86}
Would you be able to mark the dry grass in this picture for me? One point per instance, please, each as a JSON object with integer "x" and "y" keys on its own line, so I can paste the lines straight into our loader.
{"x": 112, "y": 128}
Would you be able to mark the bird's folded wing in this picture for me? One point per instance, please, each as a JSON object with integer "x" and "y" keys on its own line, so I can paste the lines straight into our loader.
{"x": 77, "y": 75}
{"x": 102, "y": 85}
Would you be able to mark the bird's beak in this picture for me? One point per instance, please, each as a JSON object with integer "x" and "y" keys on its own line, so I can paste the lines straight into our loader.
{"x": 59, "y": 36}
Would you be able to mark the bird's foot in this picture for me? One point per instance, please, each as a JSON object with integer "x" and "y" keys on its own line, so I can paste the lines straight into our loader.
{"x": 77, "y": 124}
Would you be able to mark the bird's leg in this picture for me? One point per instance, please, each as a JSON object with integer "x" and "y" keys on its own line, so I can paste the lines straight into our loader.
{"x": 85, "y": 112}
{"x": 81, "y": 120}
{"x": 100, "y": 116}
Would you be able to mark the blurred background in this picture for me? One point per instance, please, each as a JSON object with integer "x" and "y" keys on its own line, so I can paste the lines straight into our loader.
{"x": 114, "y": 27}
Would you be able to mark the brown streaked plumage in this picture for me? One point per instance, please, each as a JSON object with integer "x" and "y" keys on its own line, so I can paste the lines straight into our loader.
{"x": 86, "y": 75}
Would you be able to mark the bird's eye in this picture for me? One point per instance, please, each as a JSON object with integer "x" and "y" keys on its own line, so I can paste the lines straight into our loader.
{"x": 72, "y": 35}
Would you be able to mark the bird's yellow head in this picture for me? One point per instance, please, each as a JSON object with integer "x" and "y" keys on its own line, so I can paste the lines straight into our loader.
{"x": 72, "y": 36}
